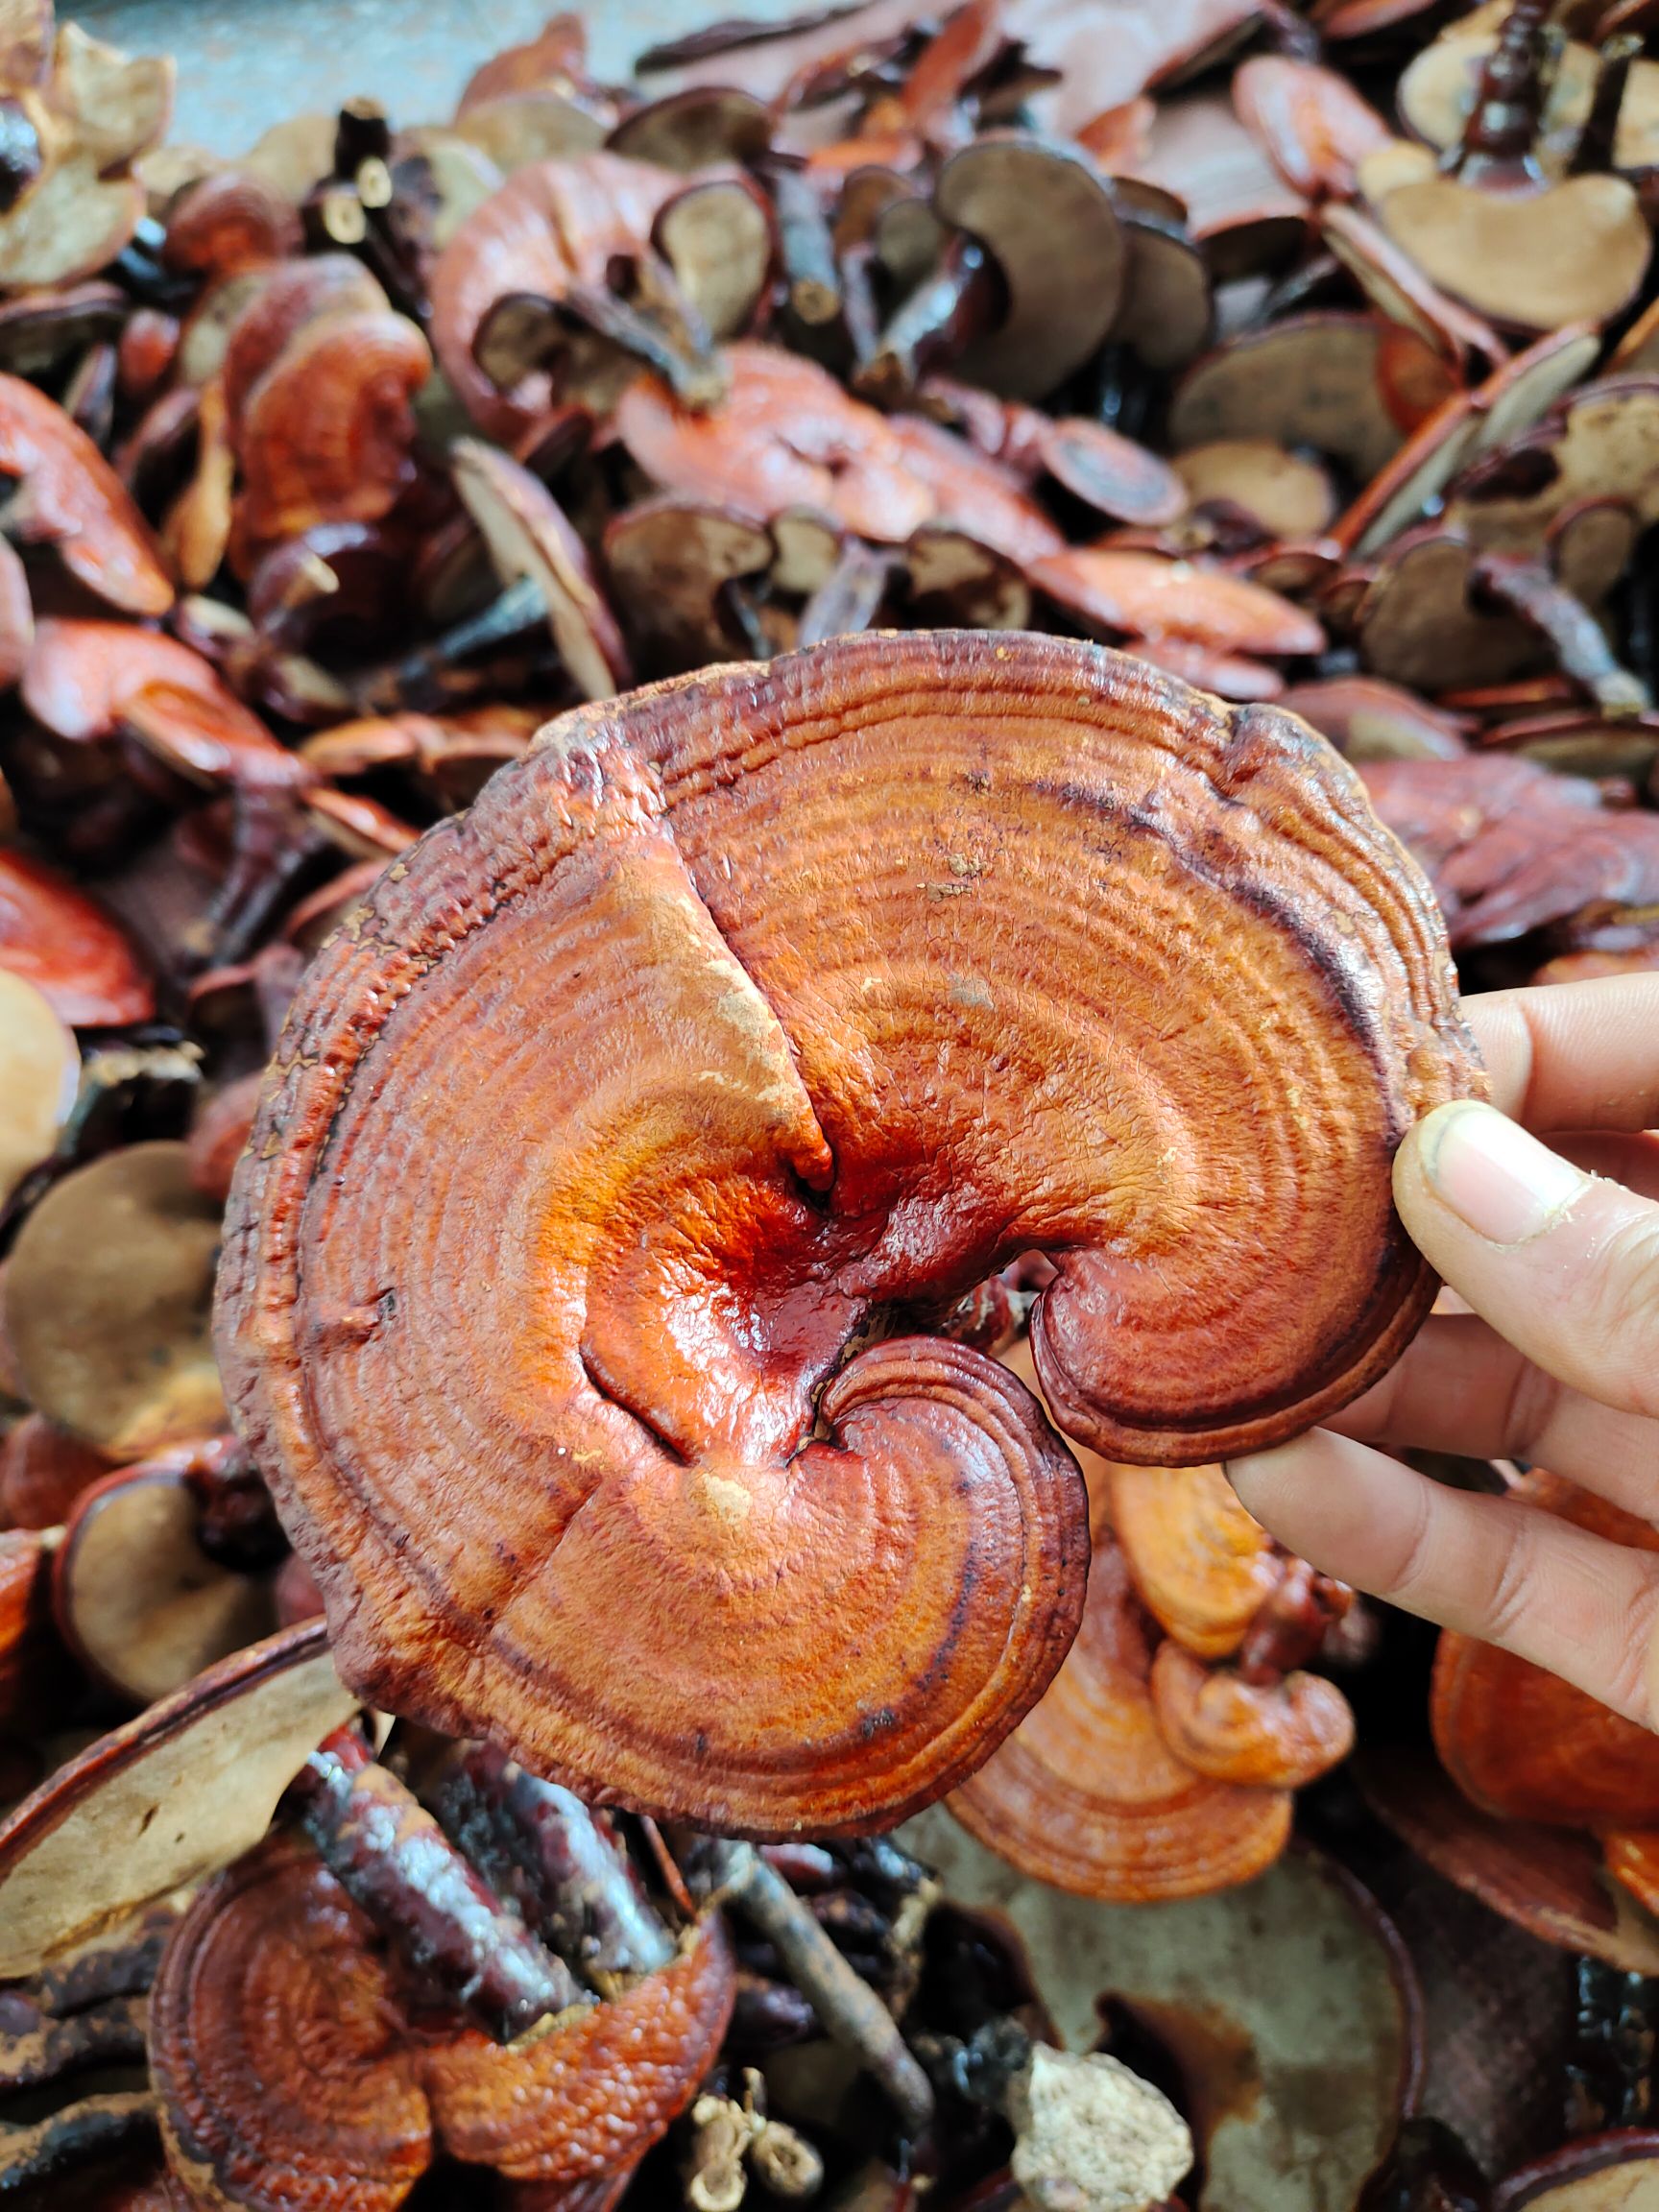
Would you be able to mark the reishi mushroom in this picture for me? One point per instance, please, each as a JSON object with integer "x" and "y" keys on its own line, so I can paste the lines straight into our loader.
{"x": 712, "y": 1571}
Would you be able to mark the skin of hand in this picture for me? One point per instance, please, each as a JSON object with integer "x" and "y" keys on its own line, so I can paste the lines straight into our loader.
{"x": 1554, "y": 1246}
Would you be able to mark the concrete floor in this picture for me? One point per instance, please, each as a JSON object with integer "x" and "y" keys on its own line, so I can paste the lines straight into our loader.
{"x": 245, "y": 64}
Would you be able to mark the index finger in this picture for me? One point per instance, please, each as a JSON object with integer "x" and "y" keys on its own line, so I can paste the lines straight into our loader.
{"x": 1574, "y": 1055}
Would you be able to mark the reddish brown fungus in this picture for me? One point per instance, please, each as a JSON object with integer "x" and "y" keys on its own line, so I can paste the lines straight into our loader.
{"x": 689, "y": 1290}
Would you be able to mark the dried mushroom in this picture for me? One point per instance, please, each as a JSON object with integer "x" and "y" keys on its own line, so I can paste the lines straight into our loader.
{"x": 810, "y": 1172}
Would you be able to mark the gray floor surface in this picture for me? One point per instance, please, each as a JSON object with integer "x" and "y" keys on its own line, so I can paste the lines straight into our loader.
{"x": 244, "y": 65}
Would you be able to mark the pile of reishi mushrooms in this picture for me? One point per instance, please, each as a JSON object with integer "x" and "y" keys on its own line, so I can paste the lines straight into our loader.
{"x": 704, "y": 982}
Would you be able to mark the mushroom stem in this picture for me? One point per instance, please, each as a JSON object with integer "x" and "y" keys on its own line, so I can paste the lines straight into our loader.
{"x": 270, "y": 843}
{"x": 412, "y": 681}
{"x": 858, "y": 307}
{"x": 1527, "y": 588}
{"x": 807, "y": 249}
{"x": 389, "y": 1854}
{"x": 581, "y": 1890}
{"x": 848, "y": 2007}
{"x": 1595, "y": 148}
{"x": 1496, "y": 146}
{"x": 1290, "y": 1624}
{"x": 665, "y": 334}
{"x": 940, "y": 317}
{"x": 849, "y": 596}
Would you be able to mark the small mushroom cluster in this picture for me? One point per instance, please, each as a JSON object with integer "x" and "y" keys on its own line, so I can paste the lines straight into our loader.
{"x": 1162, "y": 1762}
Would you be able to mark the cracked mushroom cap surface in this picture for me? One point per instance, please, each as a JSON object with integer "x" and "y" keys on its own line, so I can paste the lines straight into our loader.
{"x": 737, "y": 1013}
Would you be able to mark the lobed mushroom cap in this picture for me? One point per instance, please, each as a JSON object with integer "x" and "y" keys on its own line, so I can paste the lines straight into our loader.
{"x": 298, "y": 2065}
{"x": 735, "y": 1014}
{"x": 1086, "y": 1795}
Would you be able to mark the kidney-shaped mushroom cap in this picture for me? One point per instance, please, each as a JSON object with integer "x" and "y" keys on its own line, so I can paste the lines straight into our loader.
{"x": 736, "y": 1014}
{"x": 292, "y": 2072}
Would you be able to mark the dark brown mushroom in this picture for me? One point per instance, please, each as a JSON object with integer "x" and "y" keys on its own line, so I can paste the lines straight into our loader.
{"x": 137, "y": 1599}
{"x": 68, "y": 498}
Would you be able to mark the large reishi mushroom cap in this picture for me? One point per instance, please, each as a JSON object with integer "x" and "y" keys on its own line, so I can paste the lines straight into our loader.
{"x": 737, "y": 1013}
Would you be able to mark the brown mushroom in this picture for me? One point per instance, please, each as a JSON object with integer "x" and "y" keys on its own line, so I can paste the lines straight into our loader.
{"x": 1550, "y": 1880}
{"x": 1143, "y": 595}
{"x": 105, "y": 1302}
{"x": 1524, "y": 1744}
{"x": 549, "y": 237}
{"x": 670, "y": 562}
{"x": 1512, "y": 848}
{"x": 1310, "y": 123}
{"x": 1280, "y": 1733}
{"x": 529, "y": 538}
{"x": 1200, "y": 1565}
{"x": 137, "y": 1599}
{"x": 187, "y": 1786}
{"x": 328, "y": 433}
{"x": 1045, "y": 216}
{"x": 77, "y": 957}
{"x": 1086, "y": 1795}
{"x": 1350, "y": 386}
{"x": 1285, "y": 495}
{"x": 1578, "y": 253}
{"x": 289, "y": 2052}
{"x": 68, "y": 498}
{"x": 677, "y": 1258}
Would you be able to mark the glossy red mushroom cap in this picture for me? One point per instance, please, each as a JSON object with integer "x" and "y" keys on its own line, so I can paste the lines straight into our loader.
{"x": 611, "y": 1139}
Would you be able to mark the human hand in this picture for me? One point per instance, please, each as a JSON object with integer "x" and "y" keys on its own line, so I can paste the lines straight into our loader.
{"x": 1557, "y": 1364}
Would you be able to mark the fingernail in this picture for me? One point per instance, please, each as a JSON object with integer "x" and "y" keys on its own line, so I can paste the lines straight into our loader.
{"x": 1496, "y": 1178}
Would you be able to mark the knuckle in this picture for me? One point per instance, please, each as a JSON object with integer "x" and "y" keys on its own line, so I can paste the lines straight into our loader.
{"x": 1512, "y": 1583}
{"x": 1416, "y": 1555}
{"x": 1627, "y": 1688}
{"x": 1624, "y": 1314}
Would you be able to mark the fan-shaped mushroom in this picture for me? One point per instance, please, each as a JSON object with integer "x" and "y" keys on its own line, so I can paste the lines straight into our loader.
{"x": 138, "y": 1600}
{"x": 70, "y": 497}
{"x": 1523, "y": 1743}
{"x": 739, "y": 1159}
{"x": 1200, "y": 1564}
{"x": 1086, "y": 1795}
{"x": 549, "y": 238}
{"x": 285, "y": 2043}
{"x": 1279, "y": 1734}
{"x": 105, "y": 1302}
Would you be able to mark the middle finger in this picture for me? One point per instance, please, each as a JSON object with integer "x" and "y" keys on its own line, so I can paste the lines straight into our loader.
{"x": 1461, "y": 1388}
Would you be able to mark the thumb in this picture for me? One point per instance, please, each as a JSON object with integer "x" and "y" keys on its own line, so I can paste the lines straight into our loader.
{"x": 1563, "y": 1265}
